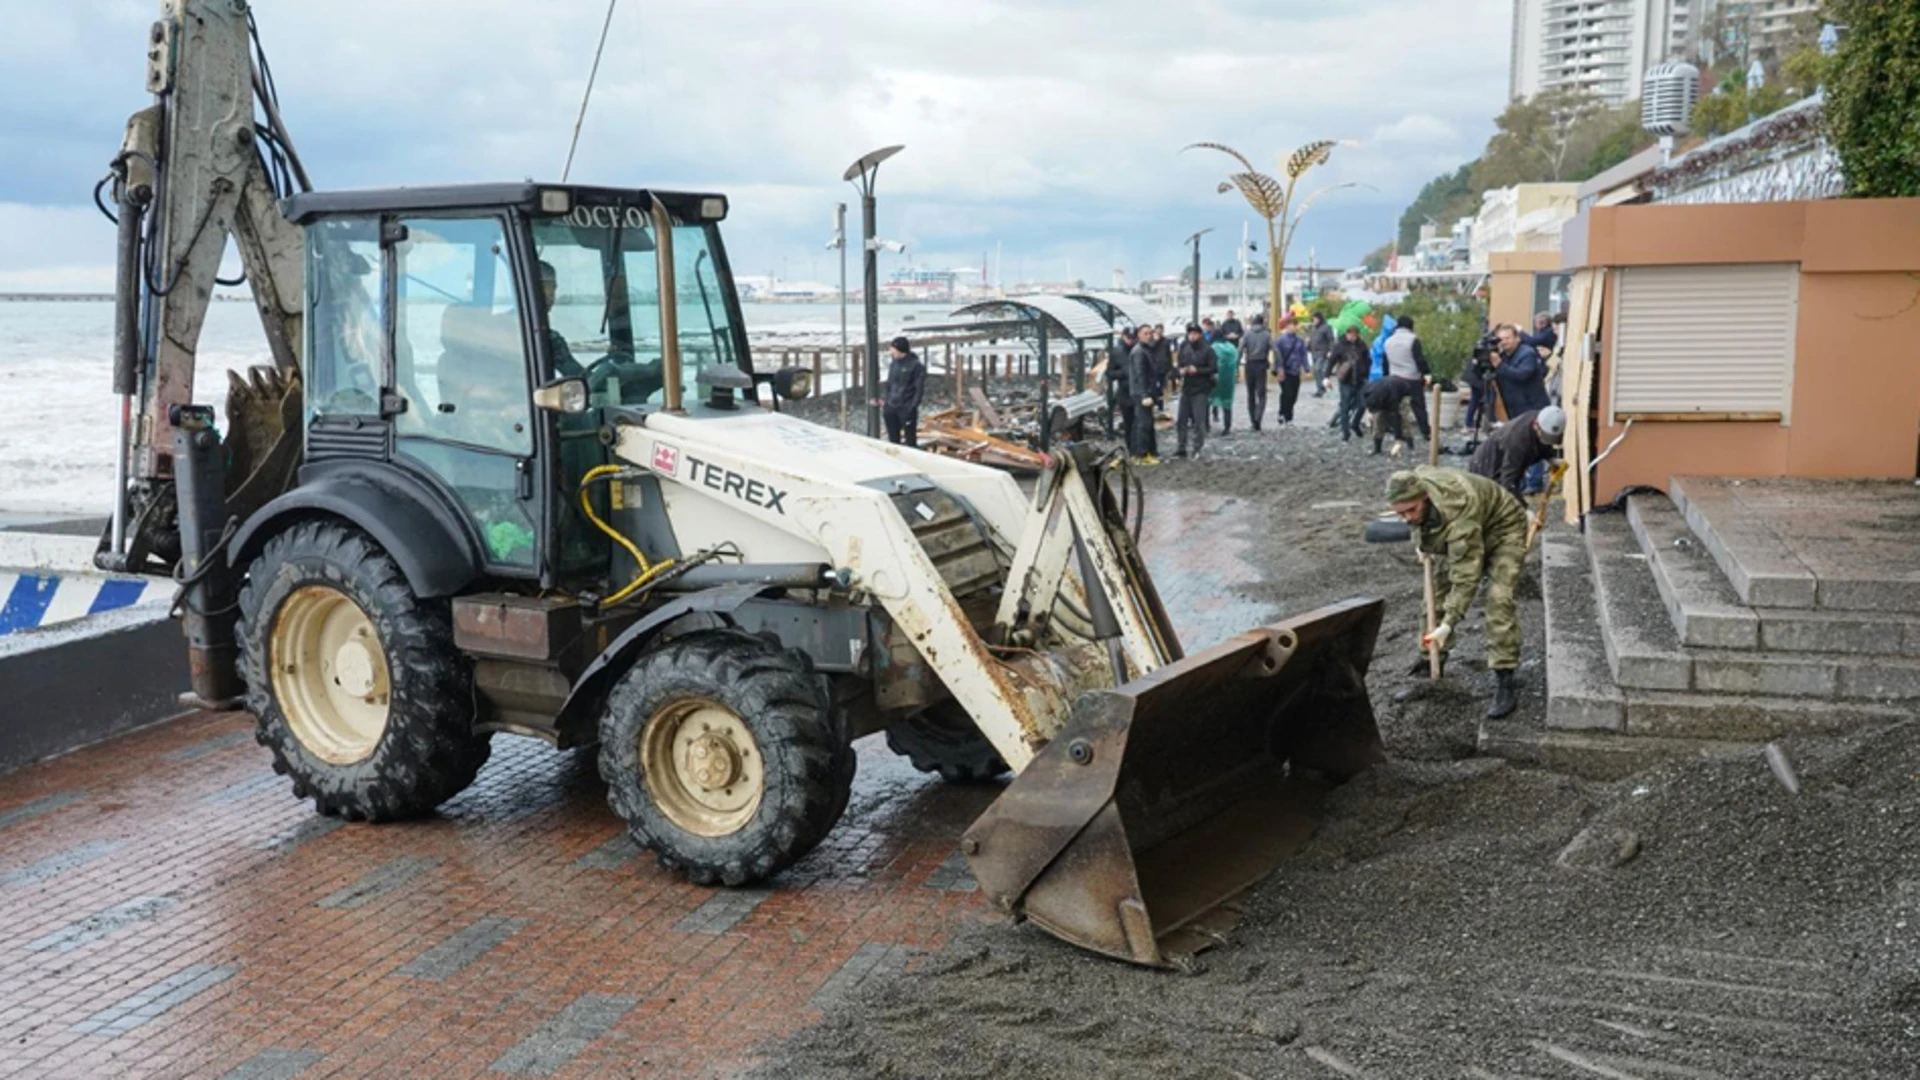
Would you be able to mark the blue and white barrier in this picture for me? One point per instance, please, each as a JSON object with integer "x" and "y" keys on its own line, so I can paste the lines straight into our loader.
{"x": 29, "y": 601}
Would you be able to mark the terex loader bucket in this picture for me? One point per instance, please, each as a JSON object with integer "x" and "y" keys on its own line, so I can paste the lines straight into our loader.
{"x": 1135, "y": 829}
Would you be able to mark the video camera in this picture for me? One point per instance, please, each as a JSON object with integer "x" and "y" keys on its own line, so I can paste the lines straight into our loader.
{"x": 1483, "y": 351}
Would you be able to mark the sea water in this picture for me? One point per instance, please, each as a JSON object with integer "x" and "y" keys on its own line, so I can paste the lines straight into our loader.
{"x": 60, "y": 427}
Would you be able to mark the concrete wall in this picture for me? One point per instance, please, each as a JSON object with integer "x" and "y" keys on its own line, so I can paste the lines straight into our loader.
{"x": 1510, "y": 284}
{"x": 65, "y": 687}
{"x": 1856, "y": 381}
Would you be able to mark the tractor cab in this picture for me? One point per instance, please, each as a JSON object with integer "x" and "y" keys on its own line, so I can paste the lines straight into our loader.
{"x": 467, "y": 341}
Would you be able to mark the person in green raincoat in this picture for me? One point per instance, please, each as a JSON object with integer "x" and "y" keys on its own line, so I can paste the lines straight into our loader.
{"x": 1226, "y": 350}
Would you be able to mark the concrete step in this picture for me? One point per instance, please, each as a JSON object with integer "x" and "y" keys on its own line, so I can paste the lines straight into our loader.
{"x": 1748, "y": 718}
{"x": 1594, "y": 726}
{"x": 1860, "y": 633}
{"x": 1702, "y": 604}
{"x": 1581, "y": 694}
{"x": 1707, "y": 612}
{"x": 1599, "y": 755}
{"x": 1795, "y": 543}
{"x": 1759, "y": 565}
{"x": 1644, "y": 651}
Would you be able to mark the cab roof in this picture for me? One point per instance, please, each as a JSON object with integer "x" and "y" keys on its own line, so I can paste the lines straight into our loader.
{"x": 305, "y": 206}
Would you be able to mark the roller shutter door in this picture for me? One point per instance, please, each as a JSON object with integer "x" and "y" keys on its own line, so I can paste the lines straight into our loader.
{"x": 1705, "y": 341}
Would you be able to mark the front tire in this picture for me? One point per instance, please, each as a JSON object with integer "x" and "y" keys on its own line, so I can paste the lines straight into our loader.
{"x": 722, "y": 754}
{"x": 356, "y": 684}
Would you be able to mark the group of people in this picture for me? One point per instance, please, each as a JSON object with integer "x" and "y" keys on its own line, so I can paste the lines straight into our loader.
{"x": 1200, "y": 373}
{"x": 1472, "y": 521}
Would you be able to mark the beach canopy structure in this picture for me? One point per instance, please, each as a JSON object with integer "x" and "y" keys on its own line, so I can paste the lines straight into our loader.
{"x": 1063, "y": 317}
{"x": 1121, "y": 309}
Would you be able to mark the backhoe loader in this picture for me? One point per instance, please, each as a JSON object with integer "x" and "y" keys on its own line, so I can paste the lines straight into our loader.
{"x": 513, "y": 470}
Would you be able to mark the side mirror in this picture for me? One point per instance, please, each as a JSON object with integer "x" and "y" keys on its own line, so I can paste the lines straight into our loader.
{"x": 562, "y": 396}
{"x": 793, "y": 383}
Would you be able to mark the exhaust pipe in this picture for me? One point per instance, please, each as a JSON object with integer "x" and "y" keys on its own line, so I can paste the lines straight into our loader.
{"x": 669, "y": 305}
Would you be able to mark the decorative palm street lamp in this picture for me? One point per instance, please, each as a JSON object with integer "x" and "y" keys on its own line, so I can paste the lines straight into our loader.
{"x": 1273, "y": 202}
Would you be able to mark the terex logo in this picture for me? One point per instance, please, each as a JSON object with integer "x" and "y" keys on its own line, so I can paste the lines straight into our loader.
{"x": 728, "y": 482}
{"x": 666, "y": 459}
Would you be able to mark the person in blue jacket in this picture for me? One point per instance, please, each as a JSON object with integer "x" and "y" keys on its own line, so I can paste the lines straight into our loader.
{"x": 1387, "y": 323}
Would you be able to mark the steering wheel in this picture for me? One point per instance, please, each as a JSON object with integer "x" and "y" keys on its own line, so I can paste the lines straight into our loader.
{"x": 631, "y": 375}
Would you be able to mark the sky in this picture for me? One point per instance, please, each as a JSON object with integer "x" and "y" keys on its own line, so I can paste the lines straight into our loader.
{"x": 1049, "y": 131}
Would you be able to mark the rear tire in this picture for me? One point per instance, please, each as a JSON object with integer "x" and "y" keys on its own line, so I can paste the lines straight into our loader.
{"x": 944, "y": 740}
{"x": 355, "y": 683}
{"x": 723, "y": 754}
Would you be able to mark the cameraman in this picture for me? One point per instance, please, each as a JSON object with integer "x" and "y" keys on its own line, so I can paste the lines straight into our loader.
{"x": 1519, "y": 373}
{"x": 1521, "y": 377}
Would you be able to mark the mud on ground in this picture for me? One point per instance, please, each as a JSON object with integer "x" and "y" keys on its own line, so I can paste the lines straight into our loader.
{"x": 1462, "y": 917}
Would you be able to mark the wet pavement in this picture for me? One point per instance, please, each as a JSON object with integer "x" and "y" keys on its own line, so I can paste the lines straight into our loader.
{"x": 168, "y": 909}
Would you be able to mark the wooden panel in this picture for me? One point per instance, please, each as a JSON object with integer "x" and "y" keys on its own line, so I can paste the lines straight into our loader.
{"x": 1577, "y": 386}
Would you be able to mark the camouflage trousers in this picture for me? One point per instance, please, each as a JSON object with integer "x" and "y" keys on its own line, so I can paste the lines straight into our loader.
{"x": 1505, "y": 559}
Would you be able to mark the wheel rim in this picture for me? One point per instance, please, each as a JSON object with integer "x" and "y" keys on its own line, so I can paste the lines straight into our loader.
{"x": 702, "y": 767}
{"x": 330, "y": 674}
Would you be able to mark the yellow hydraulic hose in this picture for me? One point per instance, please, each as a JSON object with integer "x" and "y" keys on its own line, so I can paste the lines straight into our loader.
{"x": 649, "y": 571}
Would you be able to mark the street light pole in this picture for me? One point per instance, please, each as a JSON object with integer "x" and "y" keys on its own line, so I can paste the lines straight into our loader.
{"x": 1195, "y": 241}
{"x": 846, "y": 372}
{"x": 867, "y": 169}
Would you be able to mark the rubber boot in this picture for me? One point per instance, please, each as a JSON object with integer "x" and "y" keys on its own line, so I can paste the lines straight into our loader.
{"x": 1505, "y": 699}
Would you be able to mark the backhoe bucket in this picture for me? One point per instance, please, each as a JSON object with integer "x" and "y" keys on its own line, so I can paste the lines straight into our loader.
{"x": 1133, "y": 832}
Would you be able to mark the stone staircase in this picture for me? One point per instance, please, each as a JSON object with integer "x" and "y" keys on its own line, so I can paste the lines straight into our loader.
{"x": 1732, "y": 613}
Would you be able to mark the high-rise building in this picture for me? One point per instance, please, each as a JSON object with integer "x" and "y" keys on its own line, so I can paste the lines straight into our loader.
{"x": 1604, "y": 46}
{"x": 1601, "y": 46}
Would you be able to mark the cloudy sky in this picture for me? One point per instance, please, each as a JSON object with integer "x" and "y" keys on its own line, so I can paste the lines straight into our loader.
{"x": 1048, "y": 129}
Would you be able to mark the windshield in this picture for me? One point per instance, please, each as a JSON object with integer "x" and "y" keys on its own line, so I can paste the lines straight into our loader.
{"x": 600, "y": 286}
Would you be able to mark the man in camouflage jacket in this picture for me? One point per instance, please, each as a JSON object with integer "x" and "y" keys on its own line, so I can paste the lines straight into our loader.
{"x": 1475, "y": 529}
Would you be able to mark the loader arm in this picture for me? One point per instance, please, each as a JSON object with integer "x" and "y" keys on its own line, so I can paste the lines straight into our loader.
{"x": 190, "y": 174}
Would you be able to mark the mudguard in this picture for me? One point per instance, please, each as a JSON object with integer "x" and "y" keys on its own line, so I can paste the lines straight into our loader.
{"x": 592, "y": 685}
{"x": 408, "y": 519}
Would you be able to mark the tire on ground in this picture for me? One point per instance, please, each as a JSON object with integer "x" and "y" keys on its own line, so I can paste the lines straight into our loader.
{"x": 427, "y": 751}
{"x": 806, "y": 763}
{"x": 944, "y": 740}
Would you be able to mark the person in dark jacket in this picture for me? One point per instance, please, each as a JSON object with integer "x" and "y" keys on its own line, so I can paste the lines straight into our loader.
{"x": 1196, "y": 365}
{"x": 1544, "y": 338}
{"x": 1162, "y": 358}
{"x": 1383, "y": 397}
{"x": 1119, "y": 396}
{"x": 906, "y": 385}
{"x": 1256, "y": 356}
{"x": 1230, "y": 327}
{"x": 1348, "y": 368}
{"x": 1515, "y": 447}
{"x": 1145, "y": 385}
{"x": 1519, "y": 374}
{"x": 1320, "y": 342}
{"x": 1293, "y": 363}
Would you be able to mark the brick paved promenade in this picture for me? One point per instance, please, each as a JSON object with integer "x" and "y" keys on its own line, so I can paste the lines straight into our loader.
{"x": 167, "y": 909}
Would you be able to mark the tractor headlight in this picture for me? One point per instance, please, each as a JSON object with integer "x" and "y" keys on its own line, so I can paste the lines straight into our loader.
{"x": 793, "y": 383}
{"x": 565, "y": 396}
